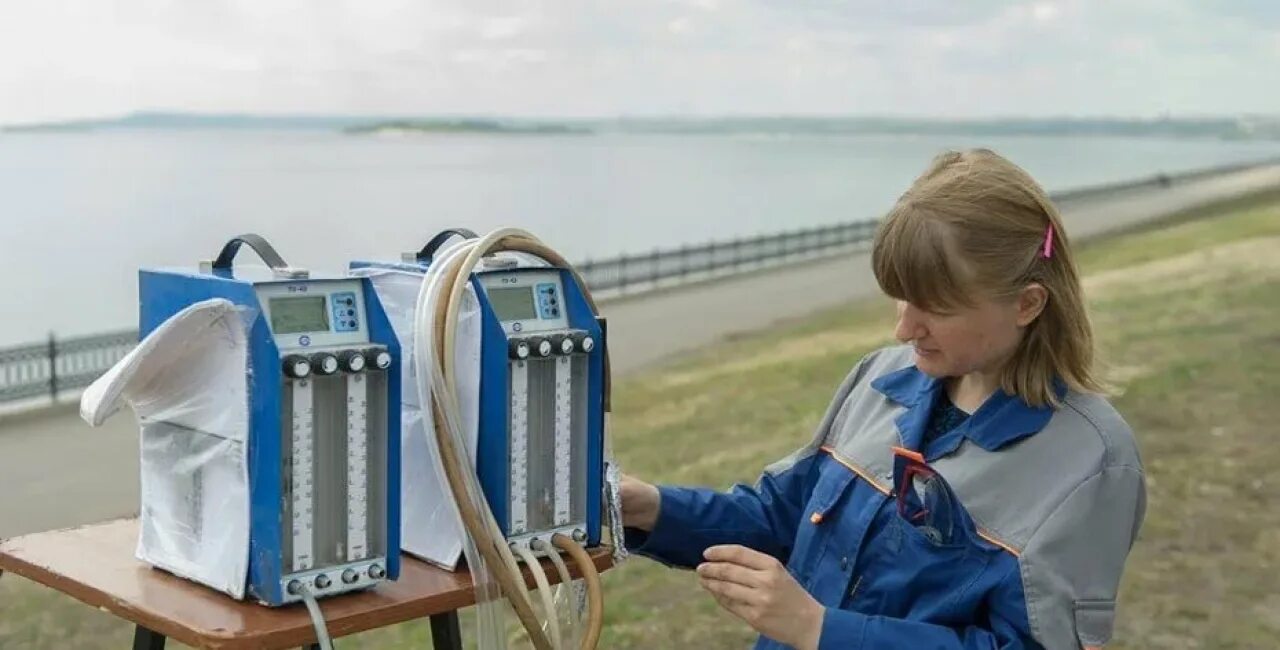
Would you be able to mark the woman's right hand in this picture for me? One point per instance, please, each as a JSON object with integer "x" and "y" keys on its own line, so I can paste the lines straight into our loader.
{"x": 640, "y": 503}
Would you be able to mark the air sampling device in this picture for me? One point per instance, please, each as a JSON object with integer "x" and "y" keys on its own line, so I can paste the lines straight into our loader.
{"x": 269, "y": 407}
{"x": 505, "y": 431}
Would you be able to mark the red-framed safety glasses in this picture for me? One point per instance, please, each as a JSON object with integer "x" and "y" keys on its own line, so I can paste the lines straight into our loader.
{"x": 924, "y": 499}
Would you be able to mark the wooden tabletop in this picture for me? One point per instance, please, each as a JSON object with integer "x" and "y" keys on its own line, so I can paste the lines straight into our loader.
{"x": 95, "y": 564}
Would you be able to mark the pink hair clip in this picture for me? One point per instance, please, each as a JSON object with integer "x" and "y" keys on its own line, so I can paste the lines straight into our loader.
{"x": 1048, "y": 242}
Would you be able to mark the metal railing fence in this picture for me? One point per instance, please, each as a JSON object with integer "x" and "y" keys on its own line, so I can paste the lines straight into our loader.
{"x": 57, "y": 365}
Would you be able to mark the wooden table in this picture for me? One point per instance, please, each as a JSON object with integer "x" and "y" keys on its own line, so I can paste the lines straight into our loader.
{"x": 95, "y": 564}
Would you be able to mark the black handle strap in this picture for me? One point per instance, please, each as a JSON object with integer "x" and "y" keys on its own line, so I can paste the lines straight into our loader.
{"x": 443, "y": 236}
{"x": 259, "y": 245}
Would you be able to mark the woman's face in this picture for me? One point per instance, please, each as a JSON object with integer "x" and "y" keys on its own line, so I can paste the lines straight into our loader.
{"x": 977, "y": 339}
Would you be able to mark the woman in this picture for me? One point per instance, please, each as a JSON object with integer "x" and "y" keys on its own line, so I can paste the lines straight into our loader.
{"x": 968, "y": 489}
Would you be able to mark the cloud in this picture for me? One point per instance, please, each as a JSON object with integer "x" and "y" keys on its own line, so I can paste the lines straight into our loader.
{"x": 502, "y": 27}
{"x": 69, "y": 58}
{"x": 681, "y": 25}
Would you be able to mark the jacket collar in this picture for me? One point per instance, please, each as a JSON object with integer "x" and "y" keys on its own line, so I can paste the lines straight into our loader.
{"x": 1000, "y": 421}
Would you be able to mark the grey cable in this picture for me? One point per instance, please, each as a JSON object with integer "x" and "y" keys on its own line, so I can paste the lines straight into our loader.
{"x": 317, "y": 618}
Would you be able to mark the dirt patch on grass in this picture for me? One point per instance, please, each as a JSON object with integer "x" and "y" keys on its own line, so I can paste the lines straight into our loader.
{"x": 1259, "y": 257}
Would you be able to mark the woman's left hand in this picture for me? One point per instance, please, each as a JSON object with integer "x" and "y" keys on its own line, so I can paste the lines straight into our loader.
{"x": 758, "y": 589}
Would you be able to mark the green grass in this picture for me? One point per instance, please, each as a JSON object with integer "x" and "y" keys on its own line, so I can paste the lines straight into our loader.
{"x": 1186, "y": 320}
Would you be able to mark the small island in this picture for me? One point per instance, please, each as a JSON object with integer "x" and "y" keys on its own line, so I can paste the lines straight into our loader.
{"x": 468, "y": 126}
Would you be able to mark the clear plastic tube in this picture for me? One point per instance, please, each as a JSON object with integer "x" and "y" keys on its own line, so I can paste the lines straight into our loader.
{"x": 544, "y": 591}
{"x": 565, "y": 594}
{"x": 490, "y": 626}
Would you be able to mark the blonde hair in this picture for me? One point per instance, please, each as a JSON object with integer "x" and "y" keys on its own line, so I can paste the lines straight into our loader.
{"x": 974, "y": 226}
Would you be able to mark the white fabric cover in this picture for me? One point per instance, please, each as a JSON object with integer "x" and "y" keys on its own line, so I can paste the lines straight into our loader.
{"x": 429, "y": 526}
{"x": 187, "y": 383}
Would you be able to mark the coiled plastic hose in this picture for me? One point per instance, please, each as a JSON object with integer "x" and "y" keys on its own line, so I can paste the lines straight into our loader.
{"x": 565, "y": 588}
{"x": 544, "y": 591}
{"x": 435, "y": 336}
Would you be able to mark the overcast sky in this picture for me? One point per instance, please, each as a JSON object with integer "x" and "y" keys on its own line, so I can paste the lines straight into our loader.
{"x": 76, "y": 58}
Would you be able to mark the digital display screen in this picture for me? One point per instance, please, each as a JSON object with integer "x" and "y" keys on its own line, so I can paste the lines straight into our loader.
{"x": 301, "y": 314}
{"x": 513, "y": 303}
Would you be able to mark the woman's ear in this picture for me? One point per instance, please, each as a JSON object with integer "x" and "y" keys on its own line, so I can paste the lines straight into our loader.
{"x": 1031, "y": 301}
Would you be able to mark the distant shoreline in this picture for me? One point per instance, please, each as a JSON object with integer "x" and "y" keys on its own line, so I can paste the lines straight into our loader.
{"x": 1247, "y": 128}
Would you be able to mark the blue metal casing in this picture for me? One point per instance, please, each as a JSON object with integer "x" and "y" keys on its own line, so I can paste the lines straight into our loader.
{"x": 165, "y": 292}
{"x": 494, "y": 445}
{"x": 494, "y": 448}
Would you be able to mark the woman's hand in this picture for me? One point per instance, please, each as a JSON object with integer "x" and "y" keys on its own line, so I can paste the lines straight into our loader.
{"x": 757, "y": 589}
{"x": 640, "y": 503}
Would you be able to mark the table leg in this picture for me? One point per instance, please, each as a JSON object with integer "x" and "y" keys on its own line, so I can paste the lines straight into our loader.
{"x": 445, "y": 634}
{"x": 145, "y": 639}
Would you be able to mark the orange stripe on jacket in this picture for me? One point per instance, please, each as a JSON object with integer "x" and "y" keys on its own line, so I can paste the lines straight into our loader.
{"x": 866, "y": 476}
{"x": 995, "y": 540}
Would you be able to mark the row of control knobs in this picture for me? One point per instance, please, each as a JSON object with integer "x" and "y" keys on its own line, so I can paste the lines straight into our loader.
{"x": 298, "y": 366}
{"x": 349, "y": 576}
{"x": 540, "y": 347}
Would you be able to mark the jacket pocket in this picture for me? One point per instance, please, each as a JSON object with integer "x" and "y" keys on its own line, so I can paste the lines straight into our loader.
{"x": 928, "y": 555}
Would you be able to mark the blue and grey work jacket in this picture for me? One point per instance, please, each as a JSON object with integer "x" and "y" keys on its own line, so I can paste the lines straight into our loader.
{"x": 1046, "y": 504}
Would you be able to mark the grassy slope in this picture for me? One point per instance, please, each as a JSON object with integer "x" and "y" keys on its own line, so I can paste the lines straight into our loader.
{"x": 1186, "y": 320}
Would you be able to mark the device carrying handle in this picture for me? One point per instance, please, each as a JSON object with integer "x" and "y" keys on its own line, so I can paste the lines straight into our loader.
{"x": 443, "y": 236}
{"x": 259, "y": 245}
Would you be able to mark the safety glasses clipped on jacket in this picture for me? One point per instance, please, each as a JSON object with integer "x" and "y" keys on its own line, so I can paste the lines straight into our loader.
{"x": 924, "y": 499}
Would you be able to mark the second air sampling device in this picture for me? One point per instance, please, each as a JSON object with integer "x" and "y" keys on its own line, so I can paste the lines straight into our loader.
{"x": 505, "y": 433}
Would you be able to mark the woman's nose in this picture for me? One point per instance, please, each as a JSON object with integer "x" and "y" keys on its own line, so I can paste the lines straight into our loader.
{"x": 910, "y": 326}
